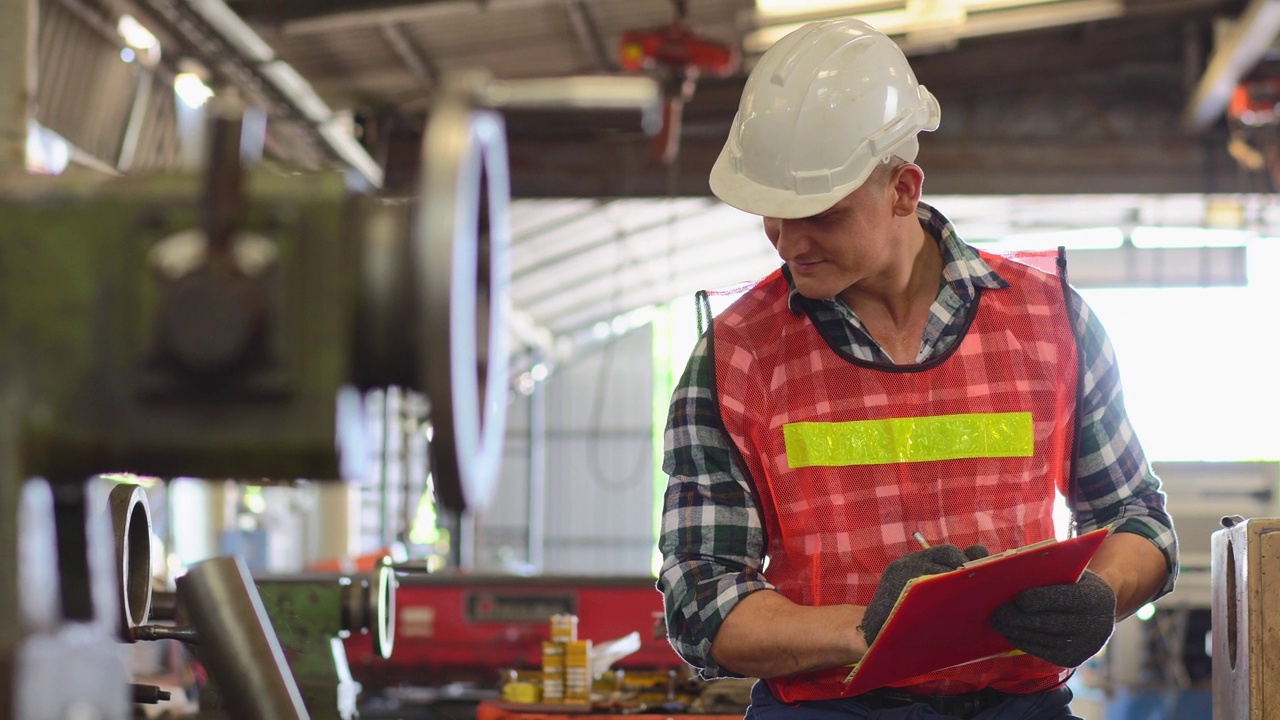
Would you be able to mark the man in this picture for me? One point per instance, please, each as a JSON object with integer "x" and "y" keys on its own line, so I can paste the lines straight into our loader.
{"x": 830, "y": 414}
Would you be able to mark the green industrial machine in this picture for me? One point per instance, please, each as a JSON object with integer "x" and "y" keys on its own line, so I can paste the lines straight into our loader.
{"x": 220, "y": 326}
{"x": 226, "y": 326}
{"x": 311, "y": 616}
{"x": 121, "y": 318}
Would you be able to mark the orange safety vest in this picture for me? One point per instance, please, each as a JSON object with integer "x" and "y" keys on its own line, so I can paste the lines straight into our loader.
{"x": 849, "y": 458}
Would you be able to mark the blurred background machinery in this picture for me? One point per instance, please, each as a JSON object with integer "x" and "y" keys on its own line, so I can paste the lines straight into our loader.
{"x": 1244, "y": 609}
{"x": 235, "y": 325}
{"x": 1163, "y": 662}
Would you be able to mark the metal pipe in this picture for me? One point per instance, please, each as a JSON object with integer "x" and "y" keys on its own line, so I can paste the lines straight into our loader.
{"x": 214, "y": 28}
{"x": 144, "y": 633}
{"x": 131, "y": 523}
{"x": 466, "y": 540}
{"x": 1245, "y": 45}
{"x": 149, "y": 694}
{"x": 406, "y": 421}
{"x": 389, "y": 412}
{"x": 584, "y": 28}
{"x": 399, "y": 12}
{"x": 537, "y": 471}
{"x": 584, "y": 92}
{"x": 144, "y": 78}
{"x": 427, "y": 74}
{"x": 223, "y": 182}
{"x": 238, "y": 643}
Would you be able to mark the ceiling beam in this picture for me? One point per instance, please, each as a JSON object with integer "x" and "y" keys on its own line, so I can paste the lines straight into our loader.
{"x": 542, "y": 168}
{"x": 1096, "y": 116}
{"x": 426, "y": 72}
{"x": 295, "y": 17}
{"x": 222, "y": 40}
{"x": 1249, "y": 39}
{"x": 588, "y": 35}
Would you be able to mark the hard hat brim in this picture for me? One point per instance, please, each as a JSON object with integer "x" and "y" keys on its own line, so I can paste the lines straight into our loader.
{"x": 735, "y": 189}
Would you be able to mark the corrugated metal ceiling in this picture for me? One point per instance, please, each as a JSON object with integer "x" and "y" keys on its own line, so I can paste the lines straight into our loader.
{"x": 577, "y": 262}
{"x": 351, "y": 56}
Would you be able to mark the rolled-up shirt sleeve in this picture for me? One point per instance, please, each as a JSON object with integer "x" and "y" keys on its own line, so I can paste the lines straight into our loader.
{"x": 711, "y": 537}
{"x": 1115, "y": 484}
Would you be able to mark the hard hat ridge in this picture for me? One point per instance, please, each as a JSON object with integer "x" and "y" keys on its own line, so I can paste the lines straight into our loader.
{"x": 821, "y": 109}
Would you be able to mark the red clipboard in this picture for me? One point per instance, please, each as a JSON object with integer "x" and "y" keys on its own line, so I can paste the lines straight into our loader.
{"x": 941, "y": 621}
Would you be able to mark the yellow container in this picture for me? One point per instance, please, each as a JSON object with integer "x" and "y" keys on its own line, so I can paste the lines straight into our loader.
{"x": 521, "y": 692}
{"x": 564, "y": 628}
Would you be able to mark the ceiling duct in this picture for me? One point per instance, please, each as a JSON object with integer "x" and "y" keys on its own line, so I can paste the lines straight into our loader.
{"x": 224, "y": 41}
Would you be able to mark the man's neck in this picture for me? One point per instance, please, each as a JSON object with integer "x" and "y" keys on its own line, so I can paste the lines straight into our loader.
{"x": 895, "y": 310}
{"x": 908, "y": 288}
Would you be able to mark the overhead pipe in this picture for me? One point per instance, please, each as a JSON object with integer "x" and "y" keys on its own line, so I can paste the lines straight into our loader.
{"x": 215, "y": 29}
{"x": 1253, "y": 34}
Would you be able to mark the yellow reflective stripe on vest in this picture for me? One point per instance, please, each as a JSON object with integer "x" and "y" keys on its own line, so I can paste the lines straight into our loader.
{"x": 902, "y": 440}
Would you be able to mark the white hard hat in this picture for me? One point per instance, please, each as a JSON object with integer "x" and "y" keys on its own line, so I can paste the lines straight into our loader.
{"x": 821, "y": 108}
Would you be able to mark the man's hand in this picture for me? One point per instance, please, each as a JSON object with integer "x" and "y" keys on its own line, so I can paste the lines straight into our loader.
{"x": 1061, "y": 624}
{"x": 930, "y": 561}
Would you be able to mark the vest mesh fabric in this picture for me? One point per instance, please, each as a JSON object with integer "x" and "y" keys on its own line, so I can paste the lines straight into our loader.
{"x": 832, "y": 529}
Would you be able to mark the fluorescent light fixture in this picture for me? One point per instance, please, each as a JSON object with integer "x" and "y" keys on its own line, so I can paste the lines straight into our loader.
{"x": 134, "y": 34}
{"x": 889, "y": 22}
{"x": 938, "y": 23}
{"x": 774, "y": 8}
{"x": 191, "y": 90}
{"x": 48, "y": 153}
{"x": 1101, "y": 238}
{"x": 1035, "y": 17}
{"x": 1223, "y": 213}
{"x": 760, "y": 40}
{"x": 581, "y": 92}
{"x": 1189, "y": 237}
{"x": 981, "y": 6}
{"x": 771, "y": 12}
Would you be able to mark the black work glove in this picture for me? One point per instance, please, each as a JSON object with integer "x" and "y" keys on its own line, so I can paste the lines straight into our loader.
{"x": 1062, "y": 624}
{"x": 930, "y": 561}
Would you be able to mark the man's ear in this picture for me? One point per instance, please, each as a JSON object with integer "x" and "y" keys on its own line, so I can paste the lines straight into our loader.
{"x": 905, "y": 185}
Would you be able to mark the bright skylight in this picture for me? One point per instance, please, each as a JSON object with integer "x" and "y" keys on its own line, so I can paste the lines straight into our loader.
{"x": 1198, "y": 364}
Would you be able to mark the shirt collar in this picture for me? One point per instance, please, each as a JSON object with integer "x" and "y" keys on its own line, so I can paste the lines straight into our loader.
{"x": 962, "y": 267}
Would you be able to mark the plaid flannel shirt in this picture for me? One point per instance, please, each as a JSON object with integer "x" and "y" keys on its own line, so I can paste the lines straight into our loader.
{"x": 712, "y": 539}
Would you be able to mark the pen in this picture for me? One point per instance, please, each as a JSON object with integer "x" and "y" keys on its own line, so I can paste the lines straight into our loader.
{"x": 920, "y": 539}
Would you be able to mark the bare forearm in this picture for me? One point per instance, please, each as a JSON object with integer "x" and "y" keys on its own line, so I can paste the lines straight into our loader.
{"x": 1134, "y": 568}
{"x": 766, "y": 635}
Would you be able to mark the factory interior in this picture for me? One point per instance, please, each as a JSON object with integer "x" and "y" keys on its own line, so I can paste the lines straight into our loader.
{"x": 337, "y": 337}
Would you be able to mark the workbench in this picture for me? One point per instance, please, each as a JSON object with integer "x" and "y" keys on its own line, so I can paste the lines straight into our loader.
{"x": 496, "y": 710}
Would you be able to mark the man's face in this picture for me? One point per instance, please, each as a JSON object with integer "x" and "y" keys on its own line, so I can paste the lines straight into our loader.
{"x": 845, "y": 245}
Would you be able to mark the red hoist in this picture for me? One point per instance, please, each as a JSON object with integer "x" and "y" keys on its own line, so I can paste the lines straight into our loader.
{"x": 678, "y": 58}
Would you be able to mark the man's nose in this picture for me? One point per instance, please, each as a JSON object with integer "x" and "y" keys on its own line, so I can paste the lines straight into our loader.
{"x": 788, "y": 235}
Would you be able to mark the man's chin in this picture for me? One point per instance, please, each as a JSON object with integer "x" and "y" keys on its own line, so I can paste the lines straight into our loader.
{"x": 814, "y": 293}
